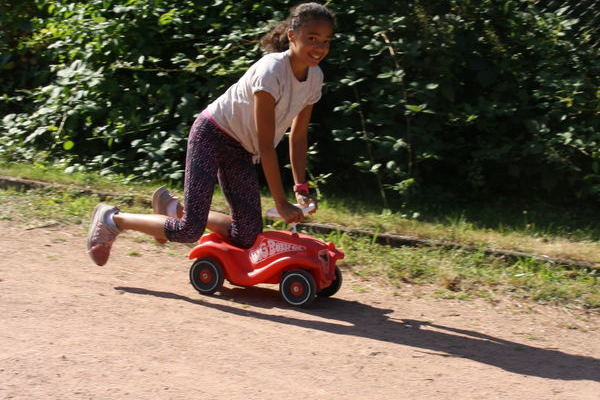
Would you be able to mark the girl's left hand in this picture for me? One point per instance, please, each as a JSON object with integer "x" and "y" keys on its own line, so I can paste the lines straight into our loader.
{"x": 304, "y": 200}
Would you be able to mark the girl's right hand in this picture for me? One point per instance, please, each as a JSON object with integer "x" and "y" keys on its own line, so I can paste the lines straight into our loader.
{"x": 304, "y": 200}
{"x": 289, "y": 212}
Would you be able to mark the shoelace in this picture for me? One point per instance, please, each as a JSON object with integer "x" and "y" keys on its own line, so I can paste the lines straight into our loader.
{"x": 103, "y": 236}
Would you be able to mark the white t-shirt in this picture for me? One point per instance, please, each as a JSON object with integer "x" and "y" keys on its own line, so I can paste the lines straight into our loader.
{"x": 233, "y": 111}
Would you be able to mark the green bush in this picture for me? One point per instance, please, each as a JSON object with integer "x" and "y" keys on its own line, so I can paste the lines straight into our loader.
{"x": 436, "y": 99}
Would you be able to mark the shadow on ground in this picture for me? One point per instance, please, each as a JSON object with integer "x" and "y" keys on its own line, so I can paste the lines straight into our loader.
{"x": 362, "y": 320}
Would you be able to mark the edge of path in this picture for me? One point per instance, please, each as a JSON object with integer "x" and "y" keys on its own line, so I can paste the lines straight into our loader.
{"x": 390, "y": 239}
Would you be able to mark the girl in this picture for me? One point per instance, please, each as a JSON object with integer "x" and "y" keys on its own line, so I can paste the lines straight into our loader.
{"x": 241, "y": 127}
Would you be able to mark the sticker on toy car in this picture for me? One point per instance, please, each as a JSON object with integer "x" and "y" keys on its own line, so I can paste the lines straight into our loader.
{"x": 270, "y": 247}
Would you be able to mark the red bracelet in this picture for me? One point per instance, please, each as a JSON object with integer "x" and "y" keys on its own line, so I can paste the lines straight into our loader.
{"x": 301, "y": 188}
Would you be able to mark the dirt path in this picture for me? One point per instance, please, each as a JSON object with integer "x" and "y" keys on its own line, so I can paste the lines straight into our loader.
{"x": 136, "y": 329}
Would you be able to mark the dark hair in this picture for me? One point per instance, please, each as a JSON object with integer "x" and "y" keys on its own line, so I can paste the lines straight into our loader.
{"x": 302, "y": 14}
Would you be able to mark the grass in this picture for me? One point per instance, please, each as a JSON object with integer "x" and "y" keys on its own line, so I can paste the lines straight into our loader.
{"x": 543, "y": 230}
{"x": 463, "y": 275}
{"x": 56, "y": 174}
{"x": 532, "y": 228}
{"x": 43, "y": 207}
{"x": 123, "y": 185}
{"x": 456, "y": 274}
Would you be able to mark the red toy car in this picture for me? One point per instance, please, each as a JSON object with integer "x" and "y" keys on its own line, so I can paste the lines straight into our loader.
{"x": 303, "y": 266}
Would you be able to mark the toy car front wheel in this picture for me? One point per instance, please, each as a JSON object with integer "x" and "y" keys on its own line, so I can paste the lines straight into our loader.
{"x": 206, "y": 275}
{"x": 298, "y": 288}
{"x": 335, "y": 285}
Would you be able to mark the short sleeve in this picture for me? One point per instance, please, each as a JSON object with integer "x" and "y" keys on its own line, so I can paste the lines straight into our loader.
{"x": 265, "y": 78}
{"x": 316, "y": 87}
{"x": 315, "y": 96}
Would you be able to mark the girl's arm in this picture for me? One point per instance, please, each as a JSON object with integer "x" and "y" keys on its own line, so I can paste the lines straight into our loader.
{"x": 299, "y": 150}
{"x": 264, "y": 115}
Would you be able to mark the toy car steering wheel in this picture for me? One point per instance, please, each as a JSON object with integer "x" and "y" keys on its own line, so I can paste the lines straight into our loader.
{"x": 272, "y": 212}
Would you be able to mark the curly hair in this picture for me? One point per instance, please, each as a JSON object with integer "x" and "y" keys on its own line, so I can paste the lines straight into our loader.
{"x": 302, "y": 14}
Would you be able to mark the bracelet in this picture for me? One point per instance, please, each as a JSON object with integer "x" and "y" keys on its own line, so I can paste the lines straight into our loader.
{"x": 301, "y": 188}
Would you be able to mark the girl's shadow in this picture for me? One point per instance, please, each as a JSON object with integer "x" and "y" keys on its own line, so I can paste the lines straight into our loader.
{"x": 362, "y": 320}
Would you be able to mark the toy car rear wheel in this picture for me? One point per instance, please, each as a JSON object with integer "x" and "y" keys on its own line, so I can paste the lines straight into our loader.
{"x": 298, "y": 288}
{"x": 335, "y": 285}
{"x": 206, "y": 275}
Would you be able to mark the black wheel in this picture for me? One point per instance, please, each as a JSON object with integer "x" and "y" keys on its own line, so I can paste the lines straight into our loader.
{"x": 206, "y": 275}
{"x": 335, "y": 285}
{"x": 298, "y": 288}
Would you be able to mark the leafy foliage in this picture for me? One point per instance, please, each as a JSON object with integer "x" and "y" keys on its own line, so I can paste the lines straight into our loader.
{"x": 435, "y": 99}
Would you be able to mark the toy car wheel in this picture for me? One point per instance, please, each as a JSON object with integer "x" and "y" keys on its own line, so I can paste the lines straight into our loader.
{"x": 335, "y": 285}
{"x": 298, "y": 288}
{"x": 206, "y": 275}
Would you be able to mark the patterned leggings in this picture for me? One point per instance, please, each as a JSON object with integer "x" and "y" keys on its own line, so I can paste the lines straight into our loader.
{"x": 213, "y": 154}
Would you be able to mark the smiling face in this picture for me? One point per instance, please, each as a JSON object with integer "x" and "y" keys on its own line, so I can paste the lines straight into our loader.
{"x": 309, "y": 44}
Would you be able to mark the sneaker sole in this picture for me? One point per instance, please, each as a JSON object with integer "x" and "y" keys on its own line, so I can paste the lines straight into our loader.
{"x": 95, "y": 218}
{"x": 155, "y": 197}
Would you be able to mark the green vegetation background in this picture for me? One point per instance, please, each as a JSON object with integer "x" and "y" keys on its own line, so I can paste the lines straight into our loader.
{"x": 424, "y": 100}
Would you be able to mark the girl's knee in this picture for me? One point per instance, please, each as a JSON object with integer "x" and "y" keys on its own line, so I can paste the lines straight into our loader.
{"x": 244, "y": 243}
{"x": 246, "y": 238}
{"x": 192, "y": 235}
{"x": 190, "y": 239}
{"x": 185, "y": 234}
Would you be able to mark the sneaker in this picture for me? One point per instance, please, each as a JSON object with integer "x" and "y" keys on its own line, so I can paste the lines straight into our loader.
{"x": 102, "y": 234}
{"x": 162, "y": 202}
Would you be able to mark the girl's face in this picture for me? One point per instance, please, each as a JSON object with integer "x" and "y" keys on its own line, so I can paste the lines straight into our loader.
{"x": 310, "y": 43}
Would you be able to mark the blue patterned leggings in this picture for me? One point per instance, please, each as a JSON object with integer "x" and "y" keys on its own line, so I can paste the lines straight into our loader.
{"x": 212, "y": 154}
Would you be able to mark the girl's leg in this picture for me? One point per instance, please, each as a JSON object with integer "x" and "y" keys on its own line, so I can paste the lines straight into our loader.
{"x": 164, "y": 203}
{"x": 238, "y": 179}
{"x": 239, "y": 182}
{"x": 200, "y": 177}
{"x": 200, "y": 174}
{"x": 219, "y": 223}
{"x": 154, "y": 224}
{"x": 201, "y": 170}
{"x": 151, "y": 224}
